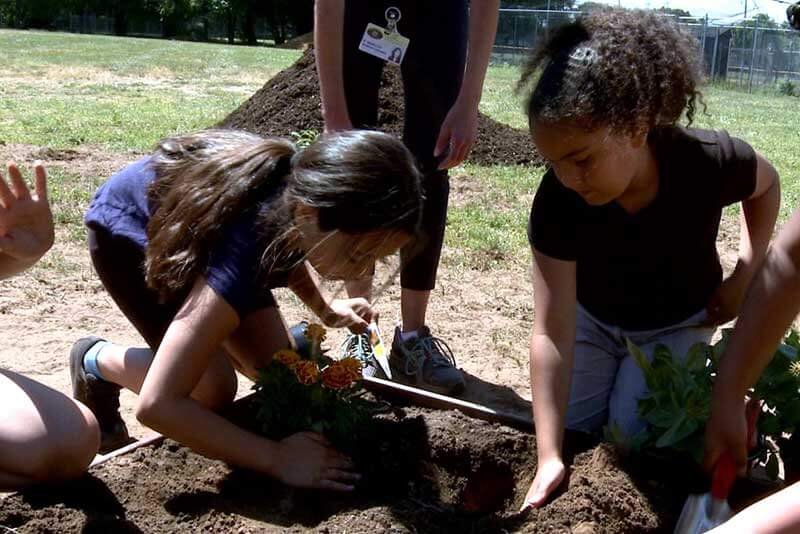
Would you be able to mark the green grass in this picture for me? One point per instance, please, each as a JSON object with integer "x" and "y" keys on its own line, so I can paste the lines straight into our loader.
{"x": 64, "y": 90}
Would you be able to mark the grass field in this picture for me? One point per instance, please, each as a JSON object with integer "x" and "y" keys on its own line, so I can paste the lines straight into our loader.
{"x": 121, "y": 94}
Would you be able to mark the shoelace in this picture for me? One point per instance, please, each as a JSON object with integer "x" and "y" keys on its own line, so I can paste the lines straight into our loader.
{"x": 440, "y": 354}
{"x": 357, "y": 346}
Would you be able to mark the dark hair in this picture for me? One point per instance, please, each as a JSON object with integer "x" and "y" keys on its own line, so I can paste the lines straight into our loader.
{"x": 630, "y": 70}
{"x": 359, "y": 182}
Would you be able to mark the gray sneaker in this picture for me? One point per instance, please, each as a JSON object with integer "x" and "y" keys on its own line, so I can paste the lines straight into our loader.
{"x": 358, "y": 346}
{"x": 428, "y": 360}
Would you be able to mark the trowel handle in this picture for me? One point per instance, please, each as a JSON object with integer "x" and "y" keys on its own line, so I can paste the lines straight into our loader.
{"x": 725, "y": 471}
{"x": 723, "y": 477}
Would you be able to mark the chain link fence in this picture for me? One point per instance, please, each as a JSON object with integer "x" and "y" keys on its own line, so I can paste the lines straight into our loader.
{"x": 215, "y": 28}
{"x": 743, "y": 55}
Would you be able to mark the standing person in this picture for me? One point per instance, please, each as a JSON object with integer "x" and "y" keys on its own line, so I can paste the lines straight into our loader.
{"x": 441, "y": 115}
{"x": 624, "y": 223}
{"x": 189, "y": 241}
{"x": 44, "y": 435}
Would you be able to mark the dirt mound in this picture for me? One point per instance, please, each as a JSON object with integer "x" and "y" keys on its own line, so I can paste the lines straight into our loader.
{"x": 431, "y": 472}
{"x": 290, "y": 102}
{"x": 297, "y": 43}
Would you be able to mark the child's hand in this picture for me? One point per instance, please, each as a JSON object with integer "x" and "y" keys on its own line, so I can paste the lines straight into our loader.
{"x": 355, "y": 314}
{"x": 26, "y": 223}
{"x": 307, "y": 460}
{"x": 549, "y": 475}
{"x": 727, "y": 300}
{"x": 726, "y": 431}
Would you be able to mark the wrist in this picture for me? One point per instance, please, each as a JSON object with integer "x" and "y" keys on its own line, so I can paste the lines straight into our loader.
{"x": 269, "y": 462}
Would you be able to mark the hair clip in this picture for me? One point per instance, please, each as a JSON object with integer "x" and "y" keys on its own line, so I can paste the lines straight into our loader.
{"x": 583, "y": 56}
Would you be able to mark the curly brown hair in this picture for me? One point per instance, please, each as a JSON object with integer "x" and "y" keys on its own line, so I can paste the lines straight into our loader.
{"x": 359, "y": 182}
{"x": 630, "y": 70}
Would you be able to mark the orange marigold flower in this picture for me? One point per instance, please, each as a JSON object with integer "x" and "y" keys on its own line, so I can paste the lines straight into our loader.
{"x": 338, "y": 376}
{"x": 315, "y": 332}
{"x": 306, "y": 372}
{"x": 353, "y": 366}
{"x": 287, "y": 357}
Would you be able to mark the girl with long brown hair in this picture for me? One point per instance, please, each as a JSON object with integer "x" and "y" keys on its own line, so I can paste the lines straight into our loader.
{"x": 189, "y": 242}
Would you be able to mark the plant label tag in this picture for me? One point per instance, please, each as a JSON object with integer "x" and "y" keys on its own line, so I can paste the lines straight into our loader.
{"x": 379, "y": 349}
{"x": 384, "y": 44}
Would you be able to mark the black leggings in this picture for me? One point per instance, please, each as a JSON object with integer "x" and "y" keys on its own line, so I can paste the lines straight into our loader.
{"x": 119, "y": 263}
{"x": 433, "y": 69}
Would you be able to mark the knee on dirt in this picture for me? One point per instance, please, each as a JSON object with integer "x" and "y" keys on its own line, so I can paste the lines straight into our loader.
{"x": 66, "y": 455}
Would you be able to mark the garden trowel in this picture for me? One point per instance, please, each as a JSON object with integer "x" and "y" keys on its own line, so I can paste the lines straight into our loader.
{"x": 378, "y": 349}
{"x": 702, "y": 513}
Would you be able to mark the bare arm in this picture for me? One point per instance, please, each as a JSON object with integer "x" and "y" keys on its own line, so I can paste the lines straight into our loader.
{"x": 328, "y": 46}
{"x": 759, "y": 213}
{"x": 460, "y": 127}
{"x": 551, "y": 352}
{"x": 165, "y": 402}
{"x": 197, "y": 332}
{"x": 757, "y": 222}
{"x": 552, "y": 345}
{"x": 482, "y": 29}
{"x": 772, "y": 302}
{"x": 777, "y": 514}
{"x": 354, "y": 314}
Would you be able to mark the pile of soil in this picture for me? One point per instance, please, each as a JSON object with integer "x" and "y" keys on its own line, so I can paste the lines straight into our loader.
{"x": 431, "y": 471}
{"x": 290, "y": 102}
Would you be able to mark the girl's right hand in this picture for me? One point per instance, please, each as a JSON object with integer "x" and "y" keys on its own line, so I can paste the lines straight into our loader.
{"x": 355, "y": 314}
{"x": 549, "y": 475}
{"x": 307, "y": 460}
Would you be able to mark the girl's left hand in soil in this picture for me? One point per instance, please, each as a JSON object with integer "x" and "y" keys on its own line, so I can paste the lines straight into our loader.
{"x": 355, "y": 314}
{"x": 307, "y": 460}
{"x": 549, "y": 475}
{"x": 727, "y": 300}
{"x": 26, "y": 222}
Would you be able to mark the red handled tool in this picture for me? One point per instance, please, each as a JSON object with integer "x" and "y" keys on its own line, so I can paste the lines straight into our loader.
{"x": 702, "y": 513}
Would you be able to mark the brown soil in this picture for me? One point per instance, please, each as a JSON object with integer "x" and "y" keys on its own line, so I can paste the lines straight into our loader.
{"x": 432, "y": 471}
{"x": 290, "y": 102}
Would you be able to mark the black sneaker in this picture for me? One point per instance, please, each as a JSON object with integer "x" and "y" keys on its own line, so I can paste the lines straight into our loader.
{"x": 101, "y": 397}
{"x": 427, "y": 361}
{"x": 358, "y": 346}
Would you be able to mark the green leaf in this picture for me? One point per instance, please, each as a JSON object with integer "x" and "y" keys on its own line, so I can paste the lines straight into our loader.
{"x": 679, "y": 430}
{"x": 697, "y": 357}
{"x": 640, "y": 358}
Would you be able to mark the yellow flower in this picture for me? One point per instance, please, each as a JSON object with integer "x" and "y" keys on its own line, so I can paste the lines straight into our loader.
{"x": 341, "y": 374}
{"x": 794, "y": 369}
{"x": 315, "y": 333}
{"x": 306, "y": 372}
{"x": 287, "y": 357}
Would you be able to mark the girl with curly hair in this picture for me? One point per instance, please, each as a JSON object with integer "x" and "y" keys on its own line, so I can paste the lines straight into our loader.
{"x": 624, "y": 223}
{"x": 190, "y": 240}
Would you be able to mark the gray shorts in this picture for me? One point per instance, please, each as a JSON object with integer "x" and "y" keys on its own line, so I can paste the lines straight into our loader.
{"x": 606, "y": 382}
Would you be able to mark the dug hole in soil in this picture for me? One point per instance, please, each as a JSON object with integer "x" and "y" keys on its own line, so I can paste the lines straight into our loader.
{"x": 424, "y": 471}
{"x": 290, "y": 102}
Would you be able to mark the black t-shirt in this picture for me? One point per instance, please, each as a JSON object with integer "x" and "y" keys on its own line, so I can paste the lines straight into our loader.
{"x": 659, "y": 266}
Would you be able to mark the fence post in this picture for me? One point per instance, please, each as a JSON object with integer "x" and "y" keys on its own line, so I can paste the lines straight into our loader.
{"x": 705, "y": 27}
{"x": 753, "y": 57}
{"x": 714, "y": 58}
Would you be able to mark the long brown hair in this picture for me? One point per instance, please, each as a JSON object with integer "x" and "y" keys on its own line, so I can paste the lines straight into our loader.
{"x": 359, "y": 182}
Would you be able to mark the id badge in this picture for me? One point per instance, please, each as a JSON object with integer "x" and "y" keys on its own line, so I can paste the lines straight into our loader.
{"x": 385, "y": 43}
